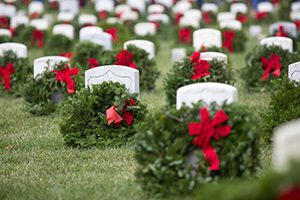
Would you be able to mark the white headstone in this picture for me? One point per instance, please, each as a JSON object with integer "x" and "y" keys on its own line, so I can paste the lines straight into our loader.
{"x": 155, "y": 9}
{"x": 225, "y": 16}
{"x": 255, "y": 30}
{"x": 115, "y": 73}
{"x": 295, "y": 15}
{"x": 209, "y": 7}
{"x": 231, "y": 24}
{"x": 207, "y": 92}
{"x": 178, "y": 54}
{"x": 167, "y": 3}
{"x": 295, "y": 6}
{"x": 69, "y": 6}
{"x": 294, "y": 71}
{"x": 104, "y": 5}
{"x": 283, "y": 42}
{"x": 129, "y": 16}
{"x": 238, "y": 8}
{"x": 46, "y": 63}
{"x": 35, "y": 7}
{"x": 289, "y": 27}
{"x": 286, "y": 146}
{"x": 40, "y": 24}
{"x": 144, "y": 29}
{"x": 139, "y": 5}
{"x": 214, "y": 55}
{"x": 122, "y": 8}
{"x": 265, "y": 7}
{"x": 142, "y": 44}
{"x": 19, "y": 49}
{"x": 18, "y": 20}
{"x": 163, "y": 18}
{"x": 64, "y": 29}
{"x": 182, "y": 7}
{"x": 5, "y": 32}
{"x": 7, "y": 10}
{"x": 87, "y": 19}
{"x": 65, "y": 16}
{"x": 96, "y": 35}
{"x": 207, "y": 38}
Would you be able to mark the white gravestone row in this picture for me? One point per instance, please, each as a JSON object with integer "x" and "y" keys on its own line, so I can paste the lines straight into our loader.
{"x": 265, "y": 7}
{"x": 96, "y": 35}
{"x": 163, "y": 18}
{"x": 231, "y": 24}
{"x": 65, "y": 16}
{"x": 104, "y": 5}
{"x": 209, "y": 7}
{"x": 207, "y": 92}
{"x": 46, "y": 63}
{"x": 146, "y": 45}
{"x": 144, "y": 29}
{"x": 18, "y": 20}
{"x": 207, "y": 38}
{"x": 40, "y": 24}
{"x": 155, "y": 9}
{"x": 225, "y": 16}
{"x": 87, "y": 19}
{"x": 283, "y": 42}
{"x": 19, "y": 49}
{"x": 35, "y": 7}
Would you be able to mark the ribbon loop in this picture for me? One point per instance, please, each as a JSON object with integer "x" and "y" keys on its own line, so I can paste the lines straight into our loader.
{"x": 273, "y": 63}
{"x": 64, "y": 76}
{"x": 5, "y": 73}
{"x": 201, "y": 67}
{"x": 125, "y": 58}
{"x": 229, "y": 36}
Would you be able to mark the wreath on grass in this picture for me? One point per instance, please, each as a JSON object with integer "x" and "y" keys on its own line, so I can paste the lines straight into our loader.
{"x": 32, "y": 37}
{"x": 57, "y": 44}
{"x": 234, "y": 40}
{"x": 13, "y": 73}
{"x": 43, "y": 94}
{"x": 266, "y": 63}
{"x": 173, "y": 157}
{"x": 104, "y": 115}
{"x": 284, "y": 106}
{"x": 193, "y": 70}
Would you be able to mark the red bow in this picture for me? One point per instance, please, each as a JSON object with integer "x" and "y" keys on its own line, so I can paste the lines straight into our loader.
{"x": 276, "y": 1}
{"x": 125, "y": 58}
{"x": 207, "y": 17}
{"x": 185, "y": 35}
{"x": 178, "y": 16}
{"x": 201, "y": 67}
{"x": 281, "y": 32}
{"x": 228, "y": 40}
{"x": 156, "y": 23}
{"x": 114, "y": 34}
{"x": 271, "y": 64}
{"x": 5, "y": 73}
{"x": 54, "y": 5}
{"x": 103, "y": 14}
{"x": 93, "y": 62}
{"x": 292, "y": 193}
{"x": 297, "y": 22}
{"x": 4, "y": 22}
{"x": 68, "y": 55}
{"x": 243, "y": 18}
{"x": 261, "y": 15}
{"x": 35, "y": 15}
{"x": 112, "y": 115}
{"x": 38, "y": 36}
{"x": 206, "y": 130}
{"x": 64, "y": 75}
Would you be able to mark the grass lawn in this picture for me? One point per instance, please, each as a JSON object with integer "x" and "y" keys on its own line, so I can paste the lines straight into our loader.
{"x": 35, "y": 163}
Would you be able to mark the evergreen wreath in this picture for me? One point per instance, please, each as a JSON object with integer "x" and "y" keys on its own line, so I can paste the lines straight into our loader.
{"x": 31, "y": 37}
{"x": 43, "y": 94}
{"x": 185, "y": 72}
{"x": 258, "y": 73}
{"x": 13, "y": 73}
{"x": 234, "y": 40}
{"x": 5, "y": 38}
{"x": 169, "y": 160}
{"x": 57, "y": 44}
{"x": 284, "y": 106}
{"x": 87, "y": 119}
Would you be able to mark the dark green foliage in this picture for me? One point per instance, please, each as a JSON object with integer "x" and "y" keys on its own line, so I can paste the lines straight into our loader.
{"x": 284, "y": 10}
{"x": 284, "y": 106}
{"x": 181, "y": 75}
{"x": 84, "y": 121}
{"x": 22, "y": 70}
{"x": 85, "y": 50}
{"x": 57, "y": 44}
{"x": 147, "y": 68}
{"x": 163, "y": 147}
{"x": 25, "y": 36}
{"x": 43, "y": 94}
{"x": 253, "y": 72}
{"x": 4, "y": 38}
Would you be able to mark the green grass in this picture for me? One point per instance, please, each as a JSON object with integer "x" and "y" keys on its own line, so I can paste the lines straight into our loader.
{"x": 35, "y": 163}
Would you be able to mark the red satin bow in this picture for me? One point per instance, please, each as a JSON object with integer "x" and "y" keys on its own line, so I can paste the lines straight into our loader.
{"x": 185, "y": 35}
{"x": 281, "y": 32}
{"x": 243, "y": 18}
{"x": 261, "y": 15}
{"x": 68, "y": 55}
{"x": 178, "y": 16}
{"x": 207, "y": 17}
{"x": 228, "y": 40}
{"x": 201, "y": 67}
{"x": 38, "y": 36}
{"x": 93, "y": 62}
{"x": 292, "y": 193}
{"x": 112, "y": 115}
{"x": 125, "y": 58}
{"x": 5, "y": 73}
{"x": 207, "y": 130}
{"x": 271, "y": 64}
{"x": 103, "y": 14}
{"x": 114, "y": 34}
{"x": 4, "y": 22}
{"x": 297, "y": 22}
{"x": 64, "y": 76}
{"x": 54, "y": 5}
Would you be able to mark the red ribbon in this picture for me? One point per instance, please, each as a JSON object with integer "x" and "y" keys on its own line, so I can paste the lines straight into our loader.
{"x": 68, "y": 55}
{"x": 114, "y": 34}
{"x": 54, "y": 5}
{"x": 5, "y": 73}
{"x": 103, "y": 14}
{"x": 207, "y": 130}
{"x": 228, "y": 40}
{"x": 271, "y": 64}
{"x": 178, "y": 16}
{"x": 93, "y": 62}
{"x": 297, "y": 22}
{"x": 64, "y": 76}
{"x": 38, "y": 36}
{"x": 201, "y": 67}
{"x": 4, "y": 22}
{"x": 35, "y": 15}
{"x": 207, "y": 17}
{"x": 281, "y": 32}
{"x": 292, "y": 193}
{"x": 243, "y": 18}
{"x": 125, "y": 58}
{"x": 185, "y": 35}
{"x": 261, "y": 15}
{"x": 112, "y": 115}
